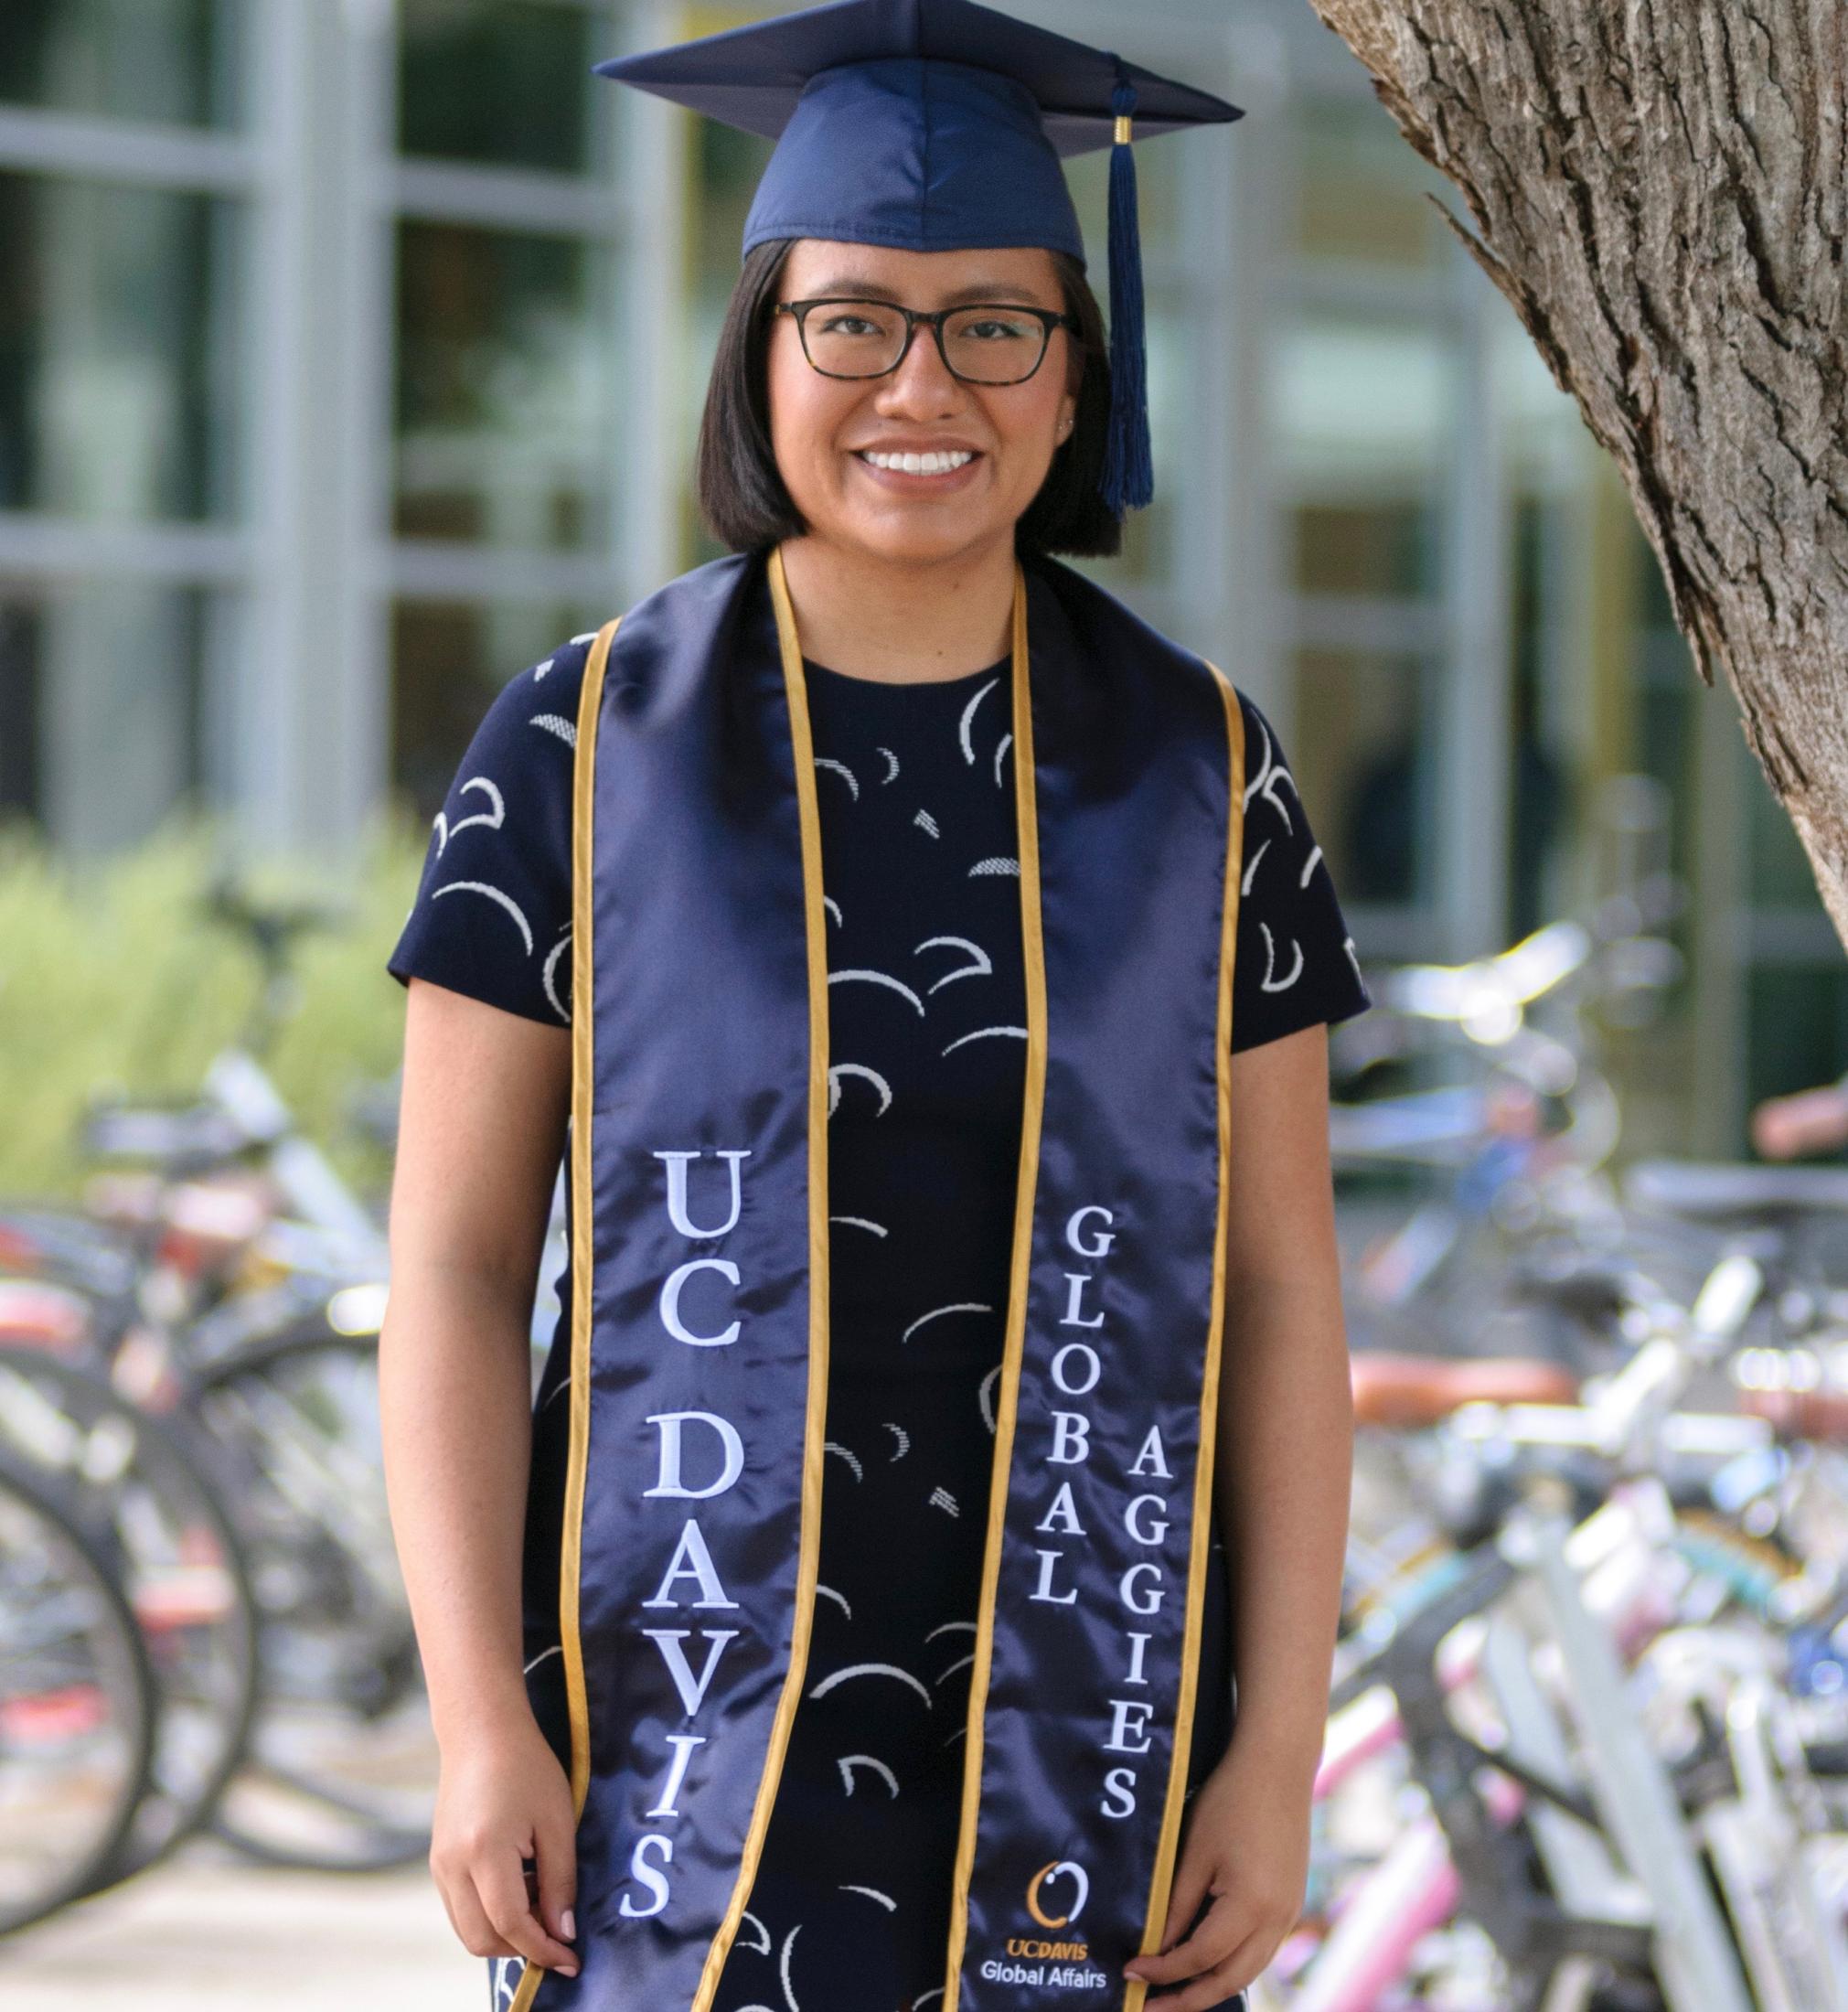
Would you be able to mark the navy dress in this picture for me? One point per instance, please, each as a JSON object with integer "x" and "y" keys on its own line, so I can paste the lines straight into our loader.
{"x": 850, "y": 1908}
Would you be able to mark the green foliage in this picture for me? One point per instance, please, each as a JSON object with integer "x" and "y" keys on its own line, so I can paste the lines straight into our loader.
{"x": 114, "y": 977}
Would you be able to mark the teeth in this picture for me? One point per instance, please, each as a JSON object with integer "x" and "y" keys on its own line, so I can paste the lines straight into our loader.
{"x": 935, "y": 464}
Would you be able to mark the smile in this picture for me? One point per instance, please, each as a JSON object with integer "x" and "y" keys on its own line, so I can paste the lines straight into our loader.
{"x": 930, "y": 465}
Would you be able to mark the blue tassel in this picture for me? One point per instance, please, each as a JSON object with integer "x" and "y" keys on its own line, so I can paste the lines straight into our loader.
{"x": 1129, "y": 481}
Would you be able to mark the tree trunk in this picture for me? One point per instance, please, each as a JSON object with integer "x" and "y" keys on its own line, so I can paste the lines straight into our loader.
{"x": 1661, "y": 190}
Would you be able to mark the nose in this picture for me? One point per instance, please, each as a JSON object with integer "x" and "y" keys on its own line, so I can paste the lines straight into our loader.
{"x": 922, "y": 386}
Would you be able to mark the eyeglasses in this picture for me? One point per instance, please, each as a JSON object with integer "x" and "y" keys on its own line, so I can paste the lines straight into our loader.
{"x": 988, "y": 342}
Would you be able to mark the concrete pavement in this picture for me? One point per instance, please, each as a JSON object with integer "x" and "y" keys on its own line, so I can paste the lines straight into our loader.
{"x": 207, "y": 1932}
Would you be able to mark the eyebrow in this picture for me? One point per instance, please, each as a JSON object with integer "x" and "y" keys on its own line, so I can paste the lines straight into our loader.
{"x": 842, "y": 283}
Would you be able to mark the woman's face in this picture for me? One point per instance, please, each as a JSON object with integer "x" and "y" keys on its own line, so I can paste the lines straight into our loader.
{"x": 822, "y": 428}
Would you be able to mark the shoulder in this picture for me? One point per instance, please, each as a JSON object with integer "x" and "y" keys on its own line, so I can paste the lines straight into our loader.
{"x": 492, "y": 910}
{"x": 1297, "y": 960}
{"x": 1265, "y": 764}
{"x": 1094, "y": 615}
{"x": 535, "y": 708}
{"x": 1120, "y": 649}
{"x": 698, "y": 602}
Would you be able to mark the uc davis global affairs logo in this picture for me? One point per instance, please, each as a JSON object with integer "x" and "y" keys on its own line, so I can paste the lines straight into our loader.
{"x": 1059, "y": 1960}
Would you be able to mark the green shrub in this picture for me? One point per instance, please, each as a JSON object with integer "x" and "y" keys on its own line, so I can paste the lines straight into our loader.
{"x": 114, "y": 977}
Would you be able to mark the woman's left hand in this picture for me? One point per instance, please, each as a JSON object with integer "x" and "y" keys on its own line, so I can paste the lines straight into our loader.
{"x": 1246, "y": 1843}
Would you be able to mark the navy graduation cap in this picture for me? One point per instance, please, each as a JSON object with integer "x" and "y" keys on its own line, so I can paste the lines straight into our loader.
{"x": 938, "y": 125}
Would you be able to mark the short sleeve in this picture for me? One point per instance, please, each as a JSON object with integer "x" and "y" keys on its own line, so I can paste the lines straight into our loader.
{"x": 493, "y": 912}
{"x": 1296, "y": 962}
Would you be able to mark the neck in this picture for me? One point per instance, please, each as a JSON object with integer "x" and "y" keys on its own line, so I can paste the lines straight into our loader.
{"x": 902, "y": 623}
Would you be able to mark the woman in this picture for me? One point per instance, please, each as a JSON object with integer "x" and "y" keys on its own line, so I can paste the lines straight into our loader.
{"x": 872, "y": 1697}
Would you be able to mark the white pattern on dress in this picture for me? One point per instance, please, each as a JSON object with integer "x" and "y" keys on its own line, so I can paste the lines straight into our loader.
{"x": 1271, "y": 772}
{"x": 836, "y": 1070}
{"x": 847, "y": 1762}
{"x": 968, "y": 715}
{"x": 846, "y": 1453}
{"x": 877, "y": 977}
{"x": 979, "y": 1033}
{"x": 891, "y": 1670}
{"x": 956, "y": 1306}
{"x": 1272, "y": 983}
{"x": 552, "y": 956}
{"x": 505, "y": 901}
{"x": 884, "y": 1900}
{"x": 493, "y": 819}
{"x": 982, "y": 966}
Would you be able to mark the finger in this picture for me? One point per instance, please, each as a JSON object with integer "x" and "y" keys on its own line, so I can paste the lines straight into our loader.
{"x": 1209, "y": 1991}
{"x": 558, "y": 1879}
{"x": 1225, "y": 1925}
{"x": 471, "y": 1927}
{"x": 502, "y": 1888}
{"x": 1234, "y": 1974}
{"x": 1192, "y": 1878}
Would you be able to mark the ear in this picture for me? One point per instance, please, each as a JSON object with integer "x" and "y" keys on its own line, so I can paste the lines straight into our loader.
{"x": 1068, "y": 411}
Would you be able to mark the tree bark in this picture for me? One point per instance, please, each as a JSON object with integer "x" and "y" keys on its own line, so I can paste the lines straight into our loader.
{"x": 1661, "y": 190}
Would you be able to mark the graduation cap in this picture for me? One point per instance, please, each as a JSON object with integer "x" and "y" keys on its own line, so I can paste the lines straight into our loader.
{"x": 939, "y": 125}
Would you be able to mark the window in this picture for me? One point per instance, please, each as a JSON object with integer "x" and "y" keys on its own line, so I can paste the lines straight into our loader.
{"x": 506, "y": 83}
{"x": 102, "y": 686}
{"x": 1363, "y": 195}
{"x": 507, "y": 389}
{"x": 169, "y": 62}
{"x": 451, "y": 658}
{"x": 507, "y": 501}
{"x": 119, "y": 350}
{"x": 126, "y": 193}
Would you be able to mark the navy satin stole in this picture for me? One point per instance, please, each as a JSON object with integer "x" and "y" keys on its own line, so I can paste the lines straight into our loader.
{"x": 673, "y": 1521}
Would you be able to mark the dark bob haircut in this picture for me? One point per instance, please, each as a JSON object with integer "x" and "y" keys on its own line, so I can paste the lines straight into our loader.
{"x": 741, "y": 496}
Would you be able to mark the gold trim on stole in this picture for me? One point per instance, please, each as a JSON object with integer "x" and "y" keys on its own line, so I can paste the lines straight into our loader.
{"x": 808, "y": 1560}
{"x": 1165, "y": 1853}
{"x": 1027, "y": 818}
{"x": 583, "y": 772}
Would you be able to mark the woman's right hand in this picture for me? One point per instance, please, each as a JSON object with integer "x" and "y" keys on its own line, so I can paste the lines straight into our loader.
{"x": 500, "y": 1799}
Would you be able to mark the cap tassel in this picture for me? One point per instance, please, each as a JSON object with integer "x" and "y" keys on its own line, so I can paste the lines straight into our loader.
{"x": 1128, "y": 479}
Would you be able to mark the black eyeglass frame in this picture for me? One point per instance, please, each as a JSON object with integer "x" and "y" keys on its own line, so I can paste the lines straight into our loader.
{"x": 1049, "y": 320}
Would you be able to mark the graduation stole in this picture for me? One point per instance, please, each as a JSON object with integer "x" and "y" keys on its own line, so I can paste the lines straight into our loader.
{"x": 674, "y": 1519}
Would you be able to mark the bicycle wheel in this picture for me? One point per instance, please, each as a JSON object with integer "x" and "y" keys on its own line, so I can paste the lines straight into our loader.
{"x": 341, "y": 1770}
{"x": 148, "y": 1491}
{"x": 77, "y": 1704}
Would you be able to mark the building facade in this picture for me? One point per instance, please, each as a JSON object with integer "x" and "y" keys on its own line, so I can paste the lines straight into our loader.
{"x": 351, "y": 354}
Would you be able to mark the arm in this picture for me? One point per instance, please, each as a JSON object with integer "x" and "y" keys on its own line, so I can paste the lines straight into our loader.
{"x": 481, "y": 1125}
{"x": 1282, "y": 1462}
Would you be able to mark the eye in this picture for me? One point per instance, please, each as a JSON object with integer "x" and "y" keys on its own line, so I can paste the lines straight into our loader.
{"x": 994, "y": 329}
{"x": 835, "y": 325}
